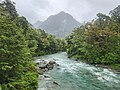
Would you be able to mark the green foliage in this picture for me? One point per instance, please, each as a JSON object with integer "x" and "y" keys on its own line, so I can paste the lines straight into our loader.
{"x": 97, "y": 42}
{"x": 19, "y": 43}
{"x": 47, "y": 44}
{"x": 16, "y": 70}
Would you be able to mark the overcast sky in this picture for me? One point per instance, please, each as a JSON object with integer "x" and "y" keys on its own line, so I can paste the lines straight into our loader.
{"x": 81, "y": 10}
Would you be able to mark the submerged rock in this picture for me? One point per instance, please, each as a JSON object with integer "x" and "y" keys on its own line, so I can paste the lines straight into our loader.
{"x": 46, "y": 76}
{"x": 56, "y": 83}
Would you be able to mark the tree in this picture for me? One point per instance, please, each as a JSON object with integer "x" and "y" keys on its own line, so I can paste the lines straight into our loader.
{"x": 97, "y": 42}
{"x": 17, "y": 72}
{"x": 9, "y": 6}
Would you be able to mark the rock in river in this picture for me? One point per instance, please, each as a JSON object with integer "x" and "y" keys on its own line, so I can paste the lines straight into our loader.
{"x": 43, "y": 66}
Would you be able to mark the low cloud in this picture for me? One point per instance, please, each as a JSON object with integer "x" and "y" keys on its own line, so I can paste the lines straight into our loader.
{"x": 81, "y": 10}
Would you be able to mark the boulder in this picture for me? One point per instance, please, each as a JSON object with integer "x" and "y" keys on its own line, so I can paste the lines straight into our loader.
{"x": 40, "y": 71}
{"x": 50, "y": 65}
{"x": 43, "y": 66}
{"x": 52, "y": 62}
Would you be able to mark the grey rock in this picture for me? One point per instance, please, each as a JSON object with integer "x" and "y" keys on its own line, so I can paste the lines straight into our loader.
{"x": 44, "y": 66}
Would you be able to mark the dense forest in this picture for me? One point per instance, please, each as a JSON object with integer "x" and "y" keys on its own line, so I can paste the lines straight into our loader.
{"x": 19, "y": 43}
{"x": 98, "y": 41}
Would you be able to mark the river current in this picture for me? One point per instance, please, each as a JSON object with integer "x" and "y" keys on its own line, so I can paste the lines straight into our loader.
{"x": 74, "y": 75}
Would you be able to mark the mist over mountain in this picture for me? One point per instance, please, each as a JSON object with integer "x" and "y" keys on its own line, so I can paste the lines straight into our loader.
{"x": 37, "y": 24}
{"x": 59, "y": 25}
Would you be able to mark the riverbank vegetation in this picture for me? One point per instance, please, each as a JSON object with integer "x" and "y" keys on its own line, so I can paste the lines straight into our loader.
{"x": 19, "y": 43}
{"x": 98, "y": 41}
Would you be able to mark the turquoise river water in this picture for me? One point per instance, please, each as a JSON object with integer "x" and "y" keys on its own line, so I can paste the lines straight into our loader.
{"x": 74, "y": 75}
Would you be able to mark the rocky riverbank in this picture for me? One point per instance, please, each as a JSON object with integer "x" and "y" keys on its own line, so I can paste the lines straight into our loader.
{"x": 44, "y": 66}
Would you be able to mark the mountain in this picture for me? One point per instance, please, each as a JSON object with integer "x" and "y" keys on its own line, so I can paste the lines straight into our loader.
{"x": 59, "y": 25}
{"x": 37, "y": 24}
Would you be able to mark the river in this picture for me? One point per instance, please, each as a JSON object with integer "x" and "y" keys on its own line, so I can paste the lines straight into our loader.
{"x": 73, "y": 75}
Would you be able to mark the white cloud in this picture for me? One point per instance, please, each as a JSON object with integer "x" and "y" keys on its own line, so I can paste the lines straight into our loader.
{"x": 82, "y": 10}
